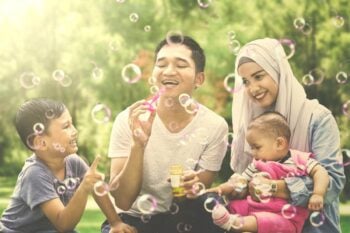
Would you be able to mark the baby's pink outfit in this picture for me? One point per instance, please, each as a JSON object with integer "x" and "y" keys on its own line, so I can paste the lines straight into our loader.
{"x": 269, "y": 215}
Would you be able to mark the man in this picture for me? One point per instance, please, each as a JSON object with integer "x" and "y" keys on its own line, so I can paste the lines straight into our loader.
{"x": 177, "y": 129}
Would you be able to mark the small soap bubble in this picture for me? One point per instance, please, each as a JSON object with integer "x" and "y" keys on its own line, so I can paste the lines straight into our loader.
{"x": 190, "y": 164}
{"x": 210, "y": 203}
{"x": 147, "y": 204}
{"x": 145, "y": 218}
{"x": 97, "y": 73}
{"x": 234, "y": 46}
{"x": 174, "y": 37}
{"x": 299, "y": 23}
{"x": 61, "y": 189}
{"x": 185, "y": 99}
{"x": 147, "y": 28}
{"x": 231, "y": 84}
{"x": 101, "y": 114}
{"x": 50, "y": 114}
{"x": 58, "y": 75}
{"x": 66, "y": 81}
{"x": 346, "y": 108}
{"x": 174, "y": 208}
{"x": 198, "y": 188}
{"x": 101, "y": 188}
{"x": 318, "y": 75}
{"x": 38, "y": 128}
{"x": 341, "y": 77}
{"x": 307, "y": 29}
{"x": 131, "y": 73}
{"x": 71, "y": 183}
{"x": 307, "y": 80}
{"x": 134, "y": 17}
{"x": 288, "y": 211}
{"x": 338, "y": 21}
{"x": 114, "y": 45}
{"x": 204, "y": 3}
{"x": 316, "y": 218}
{"x": 288, "y": 50}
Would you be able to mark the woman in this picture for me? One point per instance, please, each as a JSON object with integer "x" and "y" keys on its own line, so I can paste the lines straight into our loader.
{"x": 269, "y": 84}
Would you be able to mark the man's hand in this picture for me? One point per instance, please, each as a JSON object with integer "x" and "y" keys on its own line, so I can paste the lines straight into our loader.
{"x": 141, "y": 129}
{"x": 121, "y": 227}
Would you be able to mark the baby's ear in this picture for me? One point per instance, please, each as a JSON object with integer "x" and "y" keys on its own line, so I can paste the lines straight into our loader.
{"x": 282, "y": 142}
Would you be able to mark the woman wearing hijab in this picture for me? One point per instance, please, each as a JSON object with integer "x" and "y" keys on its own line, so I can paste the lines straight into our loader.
{"x": 269, "y": 85}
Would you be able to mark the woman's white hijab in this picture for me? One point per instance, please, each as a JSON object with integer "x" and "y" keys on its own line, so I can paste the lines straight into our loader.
{"x": 291, "y": 100}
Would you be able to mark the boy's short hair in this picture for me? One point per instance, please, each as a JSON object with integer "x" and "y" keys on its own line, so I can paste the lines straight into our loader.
{"x": 272, "y": 123}
{"x": 34, "y": 111}
{"x": 198, "y": 55}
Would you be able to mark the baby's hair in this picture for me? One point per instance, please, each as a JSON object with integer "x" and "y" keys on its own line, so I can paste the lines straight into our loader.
{"x": 33, "y": 112}
{"x": 272, "y": 123}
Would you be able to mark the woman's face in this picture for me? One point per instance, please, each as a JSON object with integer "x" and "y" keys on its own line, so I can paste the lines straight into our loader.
{"x": 259, "y": 85}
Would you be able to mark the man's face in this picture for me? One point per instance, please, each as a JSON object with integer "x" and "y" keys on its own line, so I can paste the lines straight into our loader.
{"x": 175, "y": 71}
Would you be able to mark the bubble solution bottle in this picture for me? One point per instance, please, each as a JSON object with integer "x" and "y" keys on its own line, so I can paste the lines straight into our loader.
{"x": 176, "y": 172}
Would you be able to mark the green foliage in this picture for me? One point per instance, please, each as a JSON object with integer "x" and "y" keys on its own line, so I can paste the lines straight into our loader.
{"x": 79, "y": 36}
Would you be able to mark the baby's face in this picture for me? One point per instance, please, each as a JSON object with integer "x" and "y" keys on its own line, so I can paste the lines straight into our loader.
{"x": 263, "y": 146}
{"x": 62, "y": 136}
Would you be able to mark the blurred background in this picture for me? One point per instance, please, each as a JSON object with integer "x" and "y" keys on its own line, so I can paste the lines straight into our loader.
{"x": 80, "y": 52}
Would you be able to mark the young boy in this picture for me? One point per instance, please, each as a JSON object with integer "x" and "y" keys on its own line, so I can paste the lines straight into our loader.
{"x": 53, "y": 187}
{"x": 268, "y": 136}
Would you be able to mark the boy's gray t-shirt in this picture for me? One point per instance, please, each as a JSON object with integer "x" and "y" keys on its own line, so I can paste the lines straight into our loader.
{"x": 35, "y": 185}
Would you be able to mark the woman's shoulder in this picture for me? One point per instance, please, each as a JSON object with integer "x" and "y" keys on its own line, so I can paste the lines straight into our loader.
{"x": 320, "y": 111}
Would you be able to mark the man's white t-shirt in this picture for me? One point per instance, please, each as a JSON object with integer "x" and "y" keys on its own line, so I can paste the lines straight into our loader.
{"x": 203, "y": 140}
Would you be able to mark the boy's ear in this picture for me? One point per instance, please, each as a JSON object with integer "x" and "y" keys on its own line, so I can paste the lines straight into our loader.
{"x": 199, "y": 80}
{"x": 40, "y": 142}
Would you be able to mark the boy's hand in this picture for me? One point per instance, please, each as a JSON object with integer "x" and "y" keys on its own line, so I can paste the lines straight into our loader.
{"x": 121, "y": 227}
{"x": 91, "y": 176}
{"x": 315, "y": 202}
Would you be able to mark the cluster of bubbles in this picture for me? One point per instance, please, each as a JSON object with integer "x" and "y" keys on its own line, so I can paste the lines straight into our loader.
{"x": 301, "y": 25}
{"x": 38, "y": 129}
{"x": 190, "y": 105}
{"x": 62, "y": 78}
{"x": 233, "y": 44}
{"x": 314, "y": 77}
{"x": 29, "y": 80}
{"x": 70, "y": 183}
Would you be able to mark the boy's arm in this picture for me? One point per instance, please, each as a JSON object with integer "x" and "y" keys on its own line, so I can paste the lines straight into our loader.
{"x": 106, "y": 205}
{"x": 321, "y": 181}
{"x": 65, "y": 218}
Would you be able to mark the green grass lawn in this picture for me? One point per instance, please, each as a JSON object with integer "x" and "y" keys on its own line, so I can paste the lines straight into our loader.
{"x": 93, "y": 217}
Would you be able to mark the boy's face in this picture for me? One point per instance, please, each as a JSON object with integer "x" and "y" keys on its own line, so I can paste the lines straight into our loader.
{"x": 175, "y": 70}
{"x": 263, "y": 146}
{"x": 61, "y": 137}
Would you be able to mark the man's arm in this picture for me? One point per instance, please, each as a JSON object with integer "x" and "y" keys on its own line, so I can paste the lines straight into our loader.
{"x": 117, "y": 225}
{"x": 128, "y": 172}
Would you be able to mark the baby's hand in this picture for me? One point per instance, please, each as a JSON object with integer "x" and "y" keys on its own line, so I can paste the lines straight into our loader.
{"x": 315, "y": 202}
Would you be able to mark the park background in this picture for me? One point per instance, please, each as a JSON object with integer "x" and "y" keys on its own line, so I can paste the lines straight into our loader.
{"x": 75, "y": 51}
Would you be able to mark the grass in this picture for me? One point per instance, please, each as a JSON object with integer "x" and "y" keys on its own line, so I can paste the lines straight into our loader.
{"x": 93, "y": 217}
